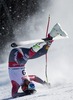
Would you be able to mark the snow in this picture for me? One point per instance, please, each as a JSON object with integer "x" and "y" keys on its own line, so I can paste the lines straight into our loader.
{"x": 62, "y": 91}
{"x": 60, "y": 56}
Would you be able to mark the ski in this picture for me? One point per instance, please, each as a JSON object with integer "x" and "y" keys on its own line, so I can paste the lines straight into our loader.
{"x": 22, "y": 43}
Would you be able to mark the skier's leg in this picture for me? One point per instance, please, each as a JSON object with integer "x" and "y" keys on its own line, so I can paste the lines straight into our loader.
{"x": 42, "y": 51}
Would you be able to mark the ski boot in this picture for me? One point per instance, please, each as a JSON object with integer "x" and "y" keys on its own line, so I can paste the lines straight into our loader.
{"x": 57, "y": 30}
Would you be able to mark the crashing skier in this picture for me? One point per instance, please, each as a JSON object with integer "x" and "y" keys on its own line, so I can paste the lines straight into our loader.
{"x": 18, "y": 58}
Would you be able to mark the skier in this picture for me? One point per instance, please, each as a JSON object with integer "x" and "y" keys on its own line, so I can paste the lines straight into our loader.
{"x": 19, "y": 56}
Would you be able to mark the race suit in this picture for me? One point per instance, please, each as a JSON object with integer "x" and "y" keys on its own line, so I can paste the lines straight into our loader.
{"x": 18, "y": 58}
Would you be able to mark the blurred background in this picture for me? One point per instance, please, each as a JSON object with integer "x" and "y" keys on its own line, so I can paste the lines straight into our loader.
{"x": 12, "y": 14}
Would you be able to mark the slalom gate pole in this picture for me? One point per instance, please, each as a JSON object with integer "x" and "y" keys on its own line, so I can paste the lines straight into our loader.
{"x": 46, "y": 58}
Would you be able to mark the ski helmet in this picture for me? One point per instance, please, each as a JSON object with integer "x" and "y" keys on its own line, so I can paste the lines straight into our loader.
{"x": 31, "y": 86}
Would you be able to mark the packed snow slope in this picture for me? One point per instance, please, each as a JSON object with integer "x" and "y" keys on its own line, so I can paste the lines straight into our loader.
{"x": 60, "y": 55}
{"x": 58, "y": 91}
